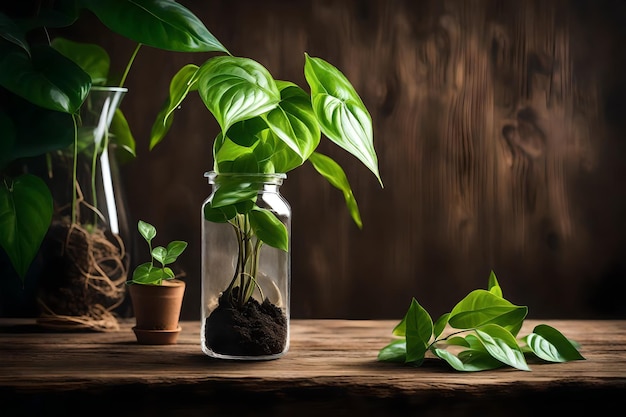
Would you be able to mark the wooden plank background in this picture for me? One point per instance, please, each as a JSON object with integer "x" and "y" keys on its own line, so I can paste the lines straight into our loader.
{"x": 499, "y": 130}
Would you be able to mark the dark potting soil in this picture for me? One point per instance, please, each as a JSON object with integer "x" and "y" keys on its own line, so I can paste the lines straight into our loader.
{"x": 256, "y": 329}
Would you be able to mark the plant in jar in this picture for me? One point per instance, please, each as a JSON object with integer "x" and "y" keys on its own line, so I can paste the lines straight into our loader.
{"x": 269, "y": 126}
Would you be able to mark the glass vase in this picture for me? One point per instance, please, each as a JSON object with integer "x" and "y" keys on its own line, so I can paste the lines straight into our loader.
{"x": 246, "y": 267}
{"x": 84, "y": 258}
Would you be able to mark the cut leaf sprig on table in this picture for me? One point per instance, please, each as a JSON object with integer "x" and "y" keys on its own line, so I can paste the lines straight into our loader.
{"x": 484, "y": 334}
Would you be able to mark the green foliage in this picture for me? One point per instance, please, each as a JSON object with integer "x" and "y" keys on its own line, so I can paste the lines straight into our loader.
{"x": 148, "y": 273}
{"x": 269, "y": 126}
{"x": 44, "y": 84}
{"x": 484, "y": 335}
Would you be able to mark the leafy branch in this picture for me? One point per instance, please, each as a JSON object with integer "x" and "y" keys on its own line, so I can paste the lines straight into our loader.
{"x": 490, "y": 325}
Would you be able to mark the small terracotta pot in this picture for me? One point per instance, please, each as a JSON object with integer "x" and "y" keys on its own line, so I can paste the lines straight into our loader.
{"x": 157, "y": 311}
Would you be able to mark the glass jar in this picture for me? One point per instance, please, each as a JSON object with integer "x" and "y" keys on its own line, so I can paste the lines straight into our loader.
{"x": 246, "y": 267}
{"x": 85, "y": 254}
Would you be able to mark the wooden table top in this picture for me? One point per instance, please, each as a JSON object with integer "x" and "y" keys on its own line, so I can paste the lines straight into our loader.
{"x": 331, "y": 367}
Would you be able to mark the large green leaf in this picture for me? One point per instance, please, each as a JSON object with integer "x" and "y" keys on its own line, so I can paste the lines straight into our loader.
{"x": 331, "y": 170}
{"x": 25, "y": 215}
{"x": 93, "y": 59}
{"x": 293, "y": 120}
{"x": 482, "y": 307}
{"x": 343, "y": 117}
{"x": 49, "y": 79}
{"x": 162, "y": 24}
{"x": 181, "y": 84}
{"x": 236, "y": 89}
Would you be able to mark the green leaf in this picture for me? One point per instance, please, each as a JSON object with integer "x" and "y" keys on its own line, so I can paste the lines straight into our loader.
{"x": 174, "y": 249}
{"x": 493, "y": 286}
{"x": 343, "y": 117}
{"x": 25, "y": 215}
{"x": 158, "y": 23}
{"x": 393, "y": 352}
{"x": 49, "y": 79}
{"x": 13, "y": 33}
{"x": 482, "y": 307}
{"x": 54, "y": 130}
{"x": 400, "y": 328}
{"x": 159, "y": 253}
{"x": 469, "y": 360}
{"x": 236, "y": 89}
{"x": 121, "y": 137}
{"x": 331, "y": 170}
{"x": 550, "y": 345}
{"x": 181, "y": 84}
{"x": 228, "y": 194}
{"x": 419, "y": 331}
{"x": 93, "y": 59}
{"x": 501, "y": 344}
{"x": 146, "y": 230}
{"x": 219, "y": 214}
{"x": 147, "y": 274}
{"x": 269, "y": 229}
{"x": 293, "y": 120}
{"x": 440, "y": 325}
{"x": 245, "y": 133}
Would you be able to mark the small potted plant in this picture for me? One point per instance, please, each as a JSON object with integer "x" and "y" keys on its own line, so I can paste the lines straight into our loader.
{"x": 268, "y": 128}
{"x": 156, "y": 292}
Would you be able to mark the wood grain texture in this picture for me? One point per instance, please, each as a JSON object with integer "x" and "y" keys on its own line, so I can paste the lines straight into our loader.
{"x": 331, "y": 367}
{"x": 499, "y": 129}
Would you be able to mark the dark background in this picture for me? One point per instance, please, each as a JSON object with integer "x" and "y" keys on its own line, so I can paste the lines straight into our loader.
{"x": 499, "y": 127}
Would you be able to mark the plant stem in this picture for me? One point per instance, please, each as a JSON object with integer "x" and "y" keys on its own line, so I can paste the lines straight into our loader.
{"x": 74, "y": 170}
{"x": 130, "y": 63}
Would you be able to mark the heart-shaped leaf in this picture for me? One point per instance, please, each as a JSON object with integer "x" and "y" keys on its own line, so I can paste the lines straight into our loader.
{"x": 25, "y": 215}
{"x": 293, "y": 120}
{"x": 236, "y": 89}
{"x": 49, "y": 79}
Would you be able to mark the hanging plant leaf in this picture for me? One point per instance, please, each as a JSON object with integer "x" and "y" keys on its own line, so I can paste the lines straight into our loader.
{"x": 161, "y": 24}
{"x": 181, "y": 84}
{"x": 343, "y": 117}
{"x": 25, "y": 215}
{"x": 331, "y": 170}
